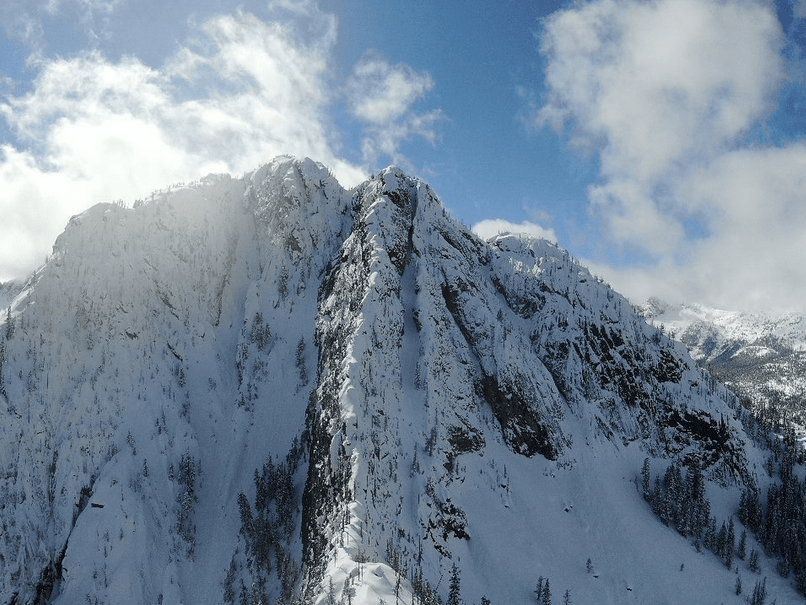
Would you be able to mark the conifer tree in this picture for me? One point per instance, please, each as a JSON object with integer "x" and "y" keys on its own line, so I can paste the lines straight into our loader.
{"x": 547, "y": 593}
{"x": 742, "y": 552}
{"x": 2, "y": 361}
{"x": 759, "y": 593}
{"x": 730, "y": 544}
{"x": 721, "y": 540}
{"x": 645, "y": 479}
{"x": 454, "y": 587}
{"x": 9, "y": 324}
{"x": 186, "y": 498}
{"x": 753, "y": 563}
{"x": 710, "y": 538}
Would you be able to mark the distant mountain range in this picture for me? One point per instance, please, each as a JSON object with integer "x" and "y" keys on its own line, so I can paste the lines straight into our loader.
{"x": 760, "y": 356}
{"x": 272, "y": 389}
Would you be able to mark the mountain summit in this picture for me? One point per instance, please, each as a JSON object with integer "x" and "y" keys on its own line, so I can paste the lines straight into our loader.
{"x": 273, "y": 389}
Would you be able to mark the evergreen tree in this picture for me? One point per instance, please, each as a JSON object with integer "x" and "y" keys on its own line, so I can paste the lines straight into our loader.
{"x": 657, "y": 499}
{"x": 753, "y": 563}
{"x": 186, "y": 499}
{"x": 9, "y": 324}
{"x": 738, "y": 585}
{"x": 750, "y": 510}
{"x": 331, "y": 593}
{"x": 2, "y": 361}
{"x": 742, "y": 552}
{"x": 645, "y": 479}
{"x": 697, "y": 509}
{"x": 539, "y": 590}
{"x": 454, "y": 587}
{"x": 546, "y": 593}
{"x": 229, "y": 589}
{"x": 672, "y": 485}
{"x": 721, "y": 540}
{"x": 567, "y": 597}
{"x": 759, "y": 593}
{"x": 709, "y": 539}
{"x": 730, "y": 544}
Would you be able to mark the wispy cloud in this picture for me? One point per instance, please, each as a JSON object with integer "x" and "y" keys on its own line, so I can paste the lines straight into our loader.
{"x": 241, "y": 91}
{"x": 383, "y": 96}
{"x": 22, "y": 19}
{"x": 668, "y": 94}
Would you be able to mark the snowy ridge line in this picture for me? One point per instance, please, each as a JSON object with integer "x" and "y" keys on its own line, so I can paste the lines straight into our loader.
{"x": 272, "y": 389}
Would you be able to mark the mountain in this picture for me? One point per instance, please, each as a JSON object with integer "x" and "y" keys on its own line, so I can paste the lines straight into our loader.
{"x": 8, "y": 291}
{"x": 273, "y": 389}
{"x": 760, "y": 356}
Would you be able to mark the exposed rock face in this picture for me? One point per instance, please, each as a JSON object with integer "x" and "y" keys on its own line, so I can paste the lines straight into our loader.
{"x": 399, "y": 379}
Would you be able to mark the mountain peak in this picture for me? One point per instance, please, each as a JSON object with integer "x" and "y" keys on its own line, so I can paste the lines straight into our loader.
{"x": 272, "y": 387}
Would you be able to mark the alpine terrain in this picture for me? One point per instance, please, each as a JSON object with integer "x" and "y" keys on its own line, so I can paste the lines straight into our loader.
{"x": 762, "y": 357}
{"x": 270, "y": 389}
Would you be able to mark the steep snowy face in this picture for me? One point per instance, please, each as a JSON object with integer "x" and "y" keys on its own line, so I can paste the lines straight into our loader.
{"x": 8, "y": 292}
{"x": 443, "y": 358}
{"x": 258, "y": 388}
{"x": 132, "y": 363}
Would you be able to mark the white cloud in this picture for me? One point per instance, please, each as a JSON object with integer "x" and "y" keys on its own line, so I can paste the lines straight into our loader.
{"x": 491, "y": 227}
{"x": 26, "y": 203}
{"x": 380, "y": 92}
{"x": 666, "y": 92}
{"x": 382, "y": 96}
{"x": 243, "y": 91}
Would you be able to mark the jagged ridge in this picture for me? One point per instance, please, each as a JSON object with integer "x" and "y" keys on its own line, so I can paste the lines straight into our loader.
{"x": 416, "y": 381}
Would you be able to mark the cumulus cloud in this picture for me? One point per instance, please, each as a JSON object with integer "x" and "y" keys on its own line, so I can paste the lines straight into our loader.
{"x": 491, "y": 227}
{"x": 668, "y": 93}
{"x": 382, "y": 96}
{"x": 240, "y": 92}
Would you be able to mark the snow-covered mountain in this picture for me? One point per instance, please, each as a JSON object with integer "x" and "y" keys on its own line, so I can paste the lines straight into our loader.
{"x": 761, "y": 356}
{"x": 272, "y": 389}
{"x": 8, "y": 292}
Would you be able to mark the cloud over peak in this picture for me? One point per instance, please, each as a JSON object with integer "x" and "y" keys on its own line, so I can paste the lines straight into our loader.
{"x": 383, "y": 96}
{"x": 670, "y": 94}
{"x": 238, "y": 92}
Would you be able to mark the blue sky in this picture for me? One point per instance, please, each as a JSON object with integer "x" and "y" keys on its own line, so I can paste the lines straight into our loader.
{"x": 662, "y": 143}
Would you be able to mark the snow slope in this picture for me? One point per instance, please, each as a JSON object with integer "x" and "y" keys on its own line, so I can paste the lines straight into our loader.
{"x": 271, "y": 388}
{"x": 8, "y": 292}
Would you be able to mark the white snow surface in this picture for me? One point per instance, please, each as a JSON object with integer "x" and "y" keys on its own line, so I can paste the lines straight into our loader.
{"x": 483, "y": 404}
